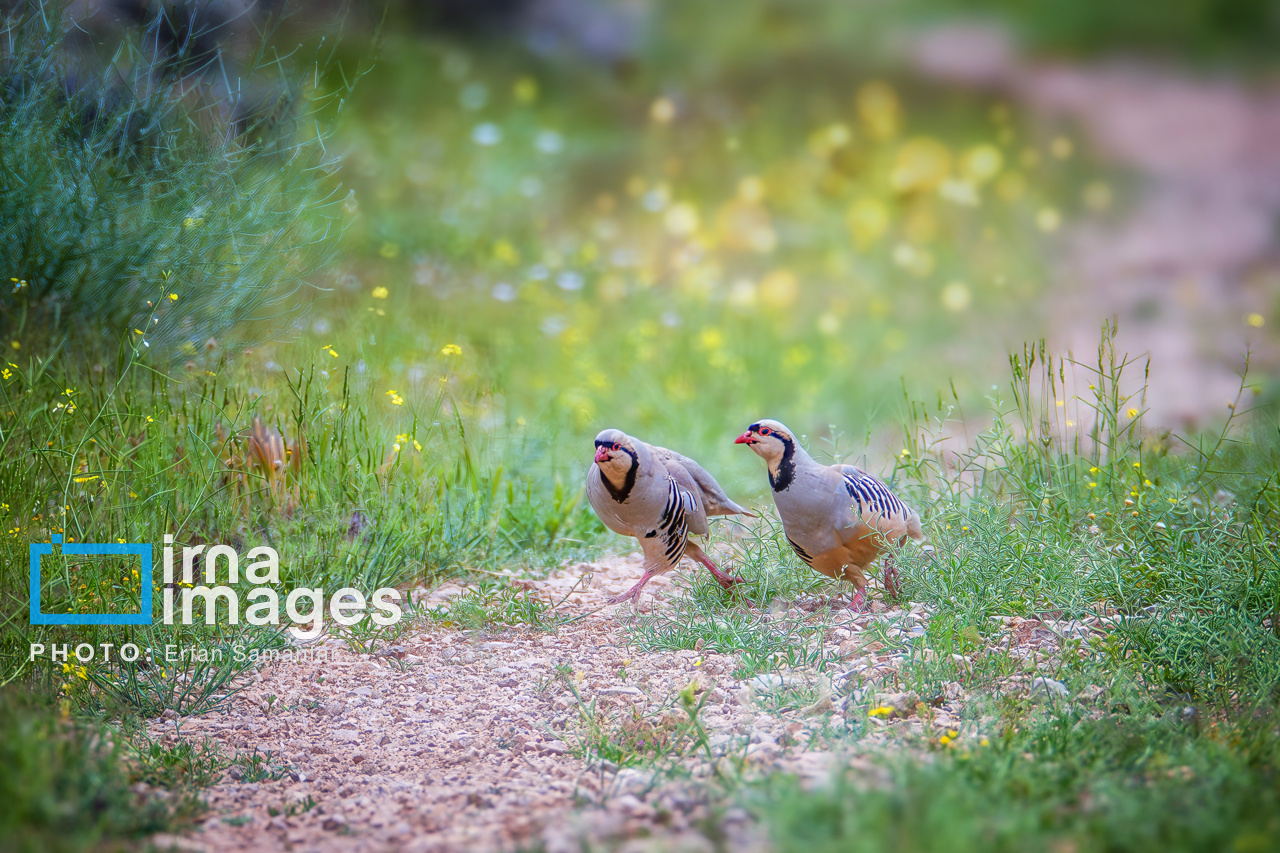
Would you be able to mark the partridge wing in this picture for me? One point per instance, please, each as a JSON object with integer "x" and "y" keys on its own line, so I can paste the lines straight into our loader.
{"x": 873, "y": 503}
{"x": 664, "y": 544}
{"x": 714, "y": 499}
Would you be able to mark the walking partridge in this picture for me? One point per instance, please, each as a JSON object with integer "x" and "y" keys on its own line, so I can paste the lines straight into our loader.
{"x": 838, "y": 518}
{"x": 659, "y": 497}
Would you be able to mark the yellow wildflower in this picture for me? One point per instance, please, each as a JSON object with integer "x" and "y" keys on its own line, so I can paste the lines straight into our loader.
{"x": 329, "y": 349}
{"x": 380, "y": 293}
{"x": 451, "y": 349}
{"x": 882, "y": 711}
{"x": 396, "y": 399}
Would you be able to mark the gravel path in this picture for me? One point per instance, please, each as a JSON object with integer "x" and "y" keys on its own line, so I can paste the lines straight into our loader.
{"x": 454, "y": 741}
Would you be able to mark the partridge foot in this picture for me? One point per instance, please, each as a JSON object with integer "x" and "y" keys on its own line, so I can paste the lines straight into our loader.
{"x": 633, "y": 594}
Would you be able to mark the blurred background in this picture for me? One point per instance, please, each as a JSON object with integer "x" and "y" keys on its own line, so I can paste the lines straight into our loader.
{"x": 675, "y": 218}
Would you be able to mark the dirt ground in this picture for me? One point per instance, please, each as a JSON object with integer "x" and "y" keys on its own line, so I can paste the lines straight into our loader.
{"x": 465, "y": 743}
{"x": 471, "y": 742}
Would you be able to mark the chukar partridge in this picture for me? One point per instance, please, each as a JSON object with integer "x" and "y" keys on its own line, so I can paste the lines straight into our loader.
{"x": 659, "y": 497}
{"x": 838, "y": 518}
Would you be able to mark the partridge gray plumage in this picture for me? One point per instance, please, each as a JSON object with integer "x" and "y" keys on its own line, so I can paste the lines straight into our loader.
{"x": 838, "y": 518}
{"x": 659, "y": 497}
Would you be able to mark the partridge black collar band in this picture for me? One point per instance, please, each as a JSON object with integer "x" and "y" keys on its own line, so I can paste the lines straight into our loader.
{"x": 628, "y": 482}
{"x": 781, "y": 481}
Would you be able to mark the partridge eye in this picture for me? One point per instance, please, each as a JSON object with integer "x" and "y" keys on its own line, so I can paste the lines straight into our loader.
{"x": 766, "y": 431}
{"x": 616, "y": 447}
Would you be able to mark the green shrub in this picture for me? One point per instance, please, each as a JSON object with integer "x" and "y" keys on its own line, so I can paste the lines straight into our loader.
{"x": 141, "y": 198}
{"x": 68, "y": 784}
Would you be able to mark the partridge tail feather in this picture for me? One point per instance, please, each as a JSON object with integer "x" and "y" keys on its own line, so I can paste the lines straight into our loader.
{"x": 734, "y": 509}
{"x": 914, "y": 529}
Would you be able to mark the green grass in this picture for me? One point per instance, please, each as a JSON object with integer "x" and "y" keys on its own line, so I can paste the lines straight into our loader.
{"x": 494, "y": 606}
{"x": 69, "y": 783}
{"x": 1052, "y": 781}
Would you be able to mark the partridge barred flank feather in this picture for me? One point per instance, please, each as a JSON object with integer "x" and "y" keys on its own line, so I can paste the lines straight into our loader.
{"x": 659, "y": 497}
{"x": 838, "y": 518}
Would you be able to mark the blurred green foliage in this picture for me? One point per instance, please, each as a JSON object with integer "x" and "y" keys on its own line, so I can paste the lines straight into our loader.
{"x": 1233, "y": 32}
{"x": 70, "y": 784}
{"x": 678, "y": 249}
{"x": 142, "y": 198}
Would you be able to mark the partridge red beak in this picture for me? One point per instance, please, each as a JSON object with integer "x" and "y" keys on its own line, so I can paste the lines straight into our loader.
{"x": 745, "y": 438}
{"x": 602, "y": 453}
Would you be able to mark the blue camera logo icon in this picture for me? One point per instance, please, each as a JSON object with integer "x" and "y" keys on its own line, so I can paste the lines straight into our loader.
{"x": 91, "y": 549}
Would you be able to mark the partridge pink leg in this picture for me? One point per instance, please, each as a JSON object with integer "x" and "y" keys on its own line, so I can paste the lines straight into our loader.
{"x": 726, "y": 581}
{"x": 859, "y": 603}
{"x": 889, "y": 578}
{"x": 634, "y": 593}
